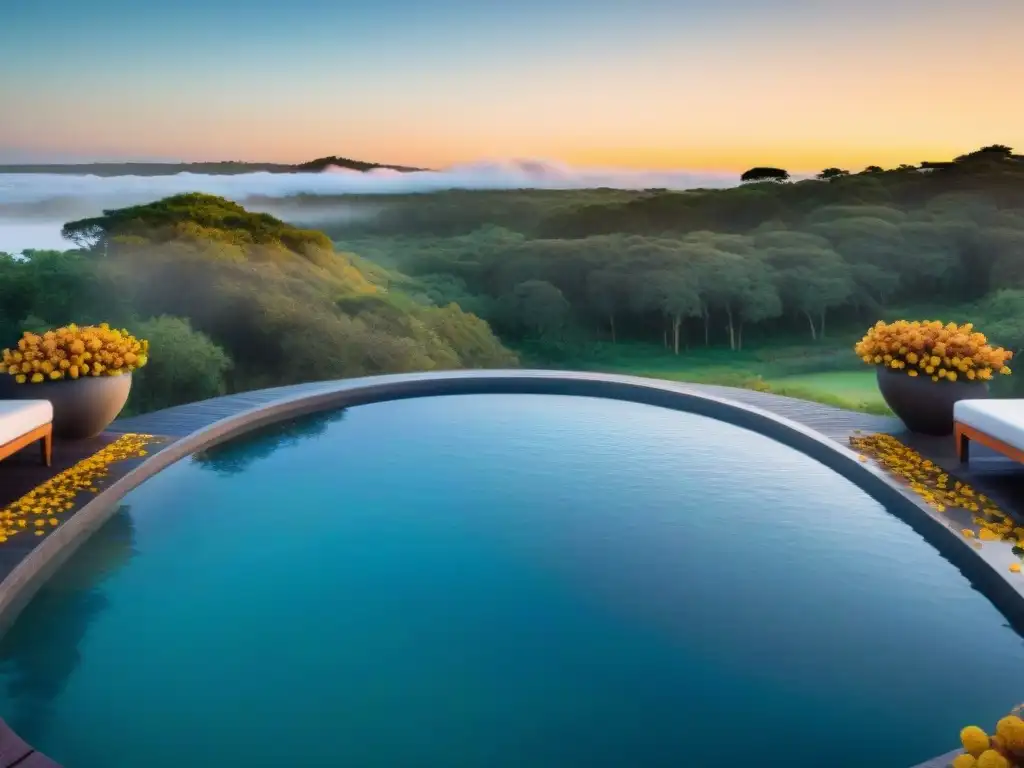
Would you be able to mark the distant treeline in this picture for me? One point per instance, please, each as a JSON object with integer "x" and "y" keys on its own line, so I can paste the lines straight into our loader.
{"x": 223, "y": 168}
{"x": 991, "y": 177}
{"x": 714, "y": 266}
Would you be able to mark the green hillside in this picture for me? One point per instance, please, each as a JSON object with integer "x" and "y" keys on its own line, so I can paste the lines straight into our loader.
{"x": 263, "y": 302}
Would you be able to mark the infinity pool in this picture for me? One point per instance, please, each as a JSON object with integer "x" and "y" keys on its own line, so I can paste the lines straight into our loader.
{"x": 492, "y": 581}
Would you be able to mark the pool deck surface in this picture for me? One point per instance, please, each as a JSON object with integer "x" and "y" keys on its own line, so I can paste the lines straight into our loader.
{"x": 1001, "y": 479}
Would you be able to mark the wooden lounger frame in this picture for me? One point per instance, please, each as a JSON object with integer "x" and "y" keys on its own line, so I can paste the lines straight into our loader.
{"x": 965, "y": 434}
{"x": 44, "y": 434}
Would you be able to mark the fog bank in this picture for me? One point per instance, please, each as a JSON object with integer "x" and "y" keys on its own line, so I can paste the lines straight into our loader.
{"x": 34, "y": 206}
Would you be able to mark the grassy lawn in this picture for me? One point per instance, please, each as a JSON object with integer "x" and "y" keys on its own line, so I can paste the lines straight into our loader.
{"x": 827, "y": 373}
{"x": 857, "y": 390}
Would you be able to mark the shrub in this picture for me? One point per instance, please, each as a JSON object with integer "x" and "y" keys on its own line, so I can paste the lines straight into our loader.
{"x": 187, "y": 366}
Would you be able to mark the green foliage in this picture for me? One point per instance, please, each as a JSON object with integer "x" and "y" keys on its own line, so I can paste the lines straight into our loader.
{"x": 832, "y": 173}
{"x": 201, "y": 220}
{"x": 564, "y": 276}
{"x": 1001, "y": 317}
{"x": 715, "y": 266}
{"x": 185, "y": 365}
{"x": 243, "y": 300}
{"x": 765, "y": 174}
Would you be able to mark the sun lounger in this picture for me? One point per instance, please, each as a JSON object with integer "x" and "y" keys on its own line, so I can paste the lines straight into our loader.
{"x": 997, "y": 424}
{"x": 22, "y": 422}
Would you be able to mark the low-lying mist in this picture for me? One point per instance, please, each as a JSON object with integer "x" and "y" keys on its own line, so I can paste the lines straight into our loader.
{"x": 33, "y": 207}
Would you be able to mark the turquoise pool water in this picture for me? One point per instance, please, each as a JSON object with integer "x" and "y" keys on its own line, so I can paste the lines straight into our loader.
{"x": 505, "y": 581}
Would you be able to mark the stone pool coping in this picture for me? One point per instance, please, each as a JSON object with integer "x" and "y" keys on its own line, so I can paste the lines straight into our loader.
{"x": 17, "y": 589}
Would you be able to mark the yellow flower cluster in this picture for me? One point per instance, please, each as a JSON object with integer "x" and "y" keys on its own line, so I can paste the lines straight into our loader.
{"x": 38, "y": 510}
{"x": 941, "y": 492}
{"x": 929, "y": 348}
{"x": 1005, "y": 749}
{"x": 71, "y": 352}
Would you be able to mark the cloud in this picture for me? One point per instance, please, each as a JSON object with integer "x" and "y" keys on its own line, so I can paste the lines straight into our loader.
{"x": 33, "y": 206}
{"x": 514, "y": 174}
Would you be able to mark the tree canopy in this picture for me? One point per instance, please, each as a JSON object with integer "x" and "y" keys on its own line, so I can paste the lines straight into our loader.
{"x": 711, "y": 266}
{"x": 259, "y": 301}
{"x": 765, "y": 174}
{"x": 434, "y": 281}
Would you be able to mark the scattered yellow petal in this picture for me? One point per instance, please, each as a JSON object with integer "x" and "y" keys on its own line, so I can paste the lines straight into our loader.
{"x": 45, "y": 503}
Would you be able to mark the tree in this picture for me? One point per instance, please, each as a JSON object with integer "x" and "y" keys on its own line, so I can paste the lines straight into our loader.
{"x": 993, "y": 151}
{"x": 811, "y": 278}
{"x": 722, "y": 285}
{"x": 874, "y": 169}
{"x": 607, "y": 294}
{"x": 471, "y": 340}
{"x": 537, "y": 305}
{"x": 1003, "y": 316}
{"x": 671, "y": 292}
{"x": 929, "y": 259}
{"x": 832, "y": 173}
{"x": 765, "y": 174}
{"x": 758, "y": 301}
{"x": 184, "y": 365}
{"x": 1007, "y": 246}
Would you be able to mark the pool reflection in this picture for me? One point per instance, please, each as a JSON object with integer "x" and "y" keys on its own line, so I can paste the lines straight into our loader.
{"x": 239, "y": 454}
{"x": 41, "y": 651}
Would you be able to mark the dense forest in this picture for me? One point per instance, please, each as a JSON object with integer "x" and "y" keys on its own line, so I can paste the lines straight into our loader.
{"x": 232, "y": 298}
{"x": 716, "y": 267}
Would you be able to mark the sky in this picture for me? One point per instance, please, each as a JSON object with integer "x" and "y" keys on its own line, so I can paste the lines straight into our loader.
{"x": 651, "y": 84}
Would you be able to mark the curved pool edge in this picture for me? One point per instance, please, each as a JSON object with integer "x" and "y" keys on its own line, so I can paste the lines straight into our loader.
{"x": 21, "y": 584}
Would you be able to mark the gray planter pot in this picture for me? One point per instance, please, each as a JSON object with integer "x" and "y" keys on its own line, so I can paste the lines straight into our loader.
{"x": 81, "y": 408}
{"x": 923, "y": 405}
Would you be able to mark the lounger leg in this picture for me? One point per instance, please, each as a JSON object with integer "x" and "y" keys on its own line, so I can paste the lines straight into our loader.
{"x": 46, "y": 444}
{"x": 963, "y": 446}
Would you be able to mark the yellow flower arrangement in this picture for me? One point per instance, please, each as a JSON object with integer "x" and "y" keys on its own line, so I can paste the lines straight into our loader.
{"x": 928, "y": 348}
{"x": 1003, "y": 750}
{"x": 73, "y": 352}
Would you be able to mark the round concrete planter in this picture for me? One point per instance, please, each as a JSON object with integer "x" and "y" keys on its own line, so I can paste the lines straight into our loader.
{"x": 81, "y": 408}
{"x": 923, "y": 405}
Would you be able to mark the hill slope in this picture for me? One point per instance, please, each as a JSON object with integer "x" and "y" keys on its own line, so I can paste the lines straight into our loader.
{"x": 282, "y": 304}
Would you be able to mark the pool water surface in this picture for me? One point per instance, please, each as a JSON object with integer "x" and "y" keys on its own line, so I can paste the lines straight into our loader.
{"x": 498, "y": 580}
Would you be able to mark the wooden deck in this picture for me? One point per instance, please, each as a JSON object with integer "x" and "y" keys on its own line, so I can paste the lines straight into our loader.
{"x": 991, "y": 474}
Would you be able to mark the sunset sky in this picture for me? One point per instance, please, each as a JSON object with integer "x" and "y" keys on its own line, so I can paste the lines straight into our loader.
{"x": 645, "y": 84}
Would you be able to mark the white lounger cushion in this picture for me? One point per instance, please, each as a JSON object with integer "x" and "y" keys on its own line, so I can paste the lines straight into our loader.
{"x": 19, "y": 417}
{"x": 1001, "y": 419}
